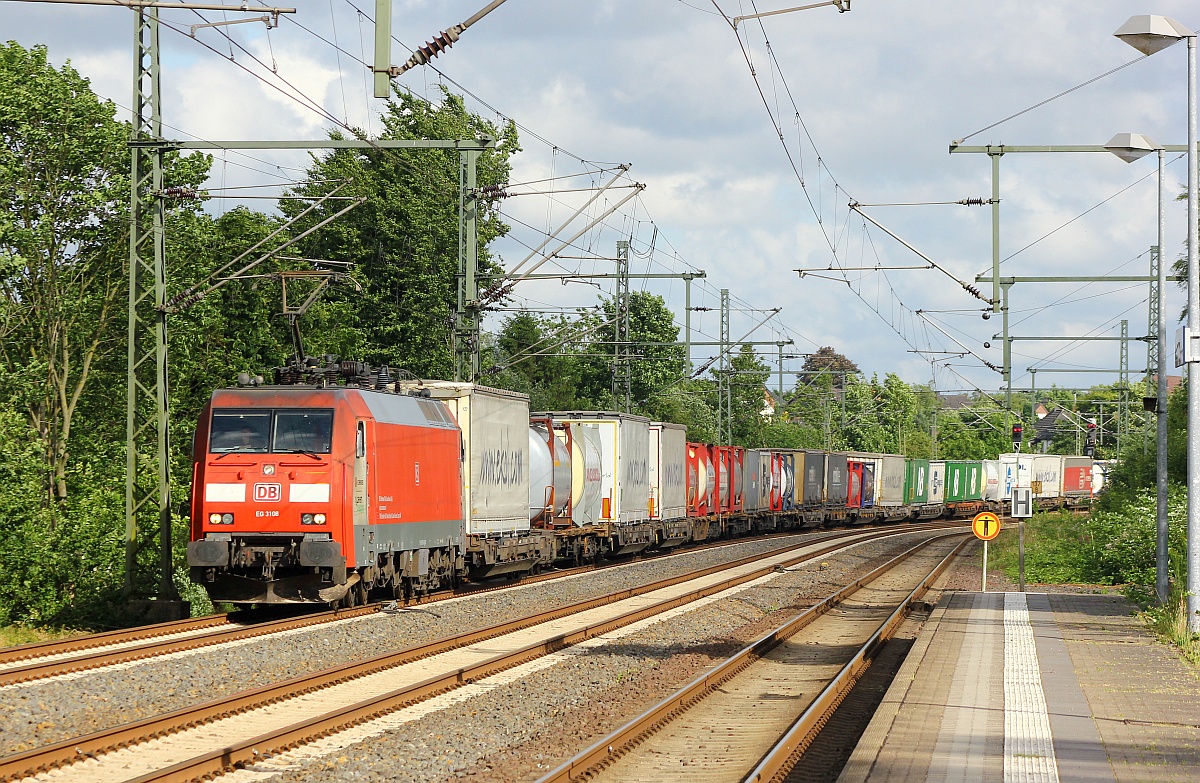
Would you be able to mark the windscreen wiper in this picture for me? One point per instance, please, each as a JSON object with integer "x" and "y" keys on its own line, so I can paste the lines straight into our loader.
{"x": 305, "y": 452}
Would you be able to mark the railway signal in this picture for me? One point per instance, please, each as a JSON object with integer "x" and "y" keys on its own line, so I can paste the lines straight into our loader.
{"x": 1017, "y": 431}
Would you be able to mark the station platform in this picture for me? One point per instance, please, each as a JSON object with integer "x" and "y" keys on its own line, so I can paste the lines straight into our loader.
{"x": 1034, "y": 687}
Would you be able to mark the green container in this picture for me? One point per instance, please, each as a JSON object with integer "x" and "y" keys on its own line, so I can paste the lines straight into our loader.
{"x": 963, "y": 481}
{"x": 916, "y": 481}
{"x": 974, "y": 481}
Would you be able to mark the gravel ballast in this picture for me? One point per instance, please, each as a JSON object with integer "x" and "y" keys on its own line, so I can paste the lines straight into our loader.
{"x": 41, "y": 713}
{"x": 523, "y": 728}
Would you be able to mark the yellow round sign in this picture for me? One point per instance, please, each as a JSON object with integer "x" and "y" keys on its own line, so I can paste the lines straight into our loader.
{"x": 985, "y": 526}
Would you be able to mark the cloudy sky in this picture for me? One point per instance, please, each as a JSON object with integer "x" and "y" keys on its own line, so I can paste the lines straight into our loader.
{"x": 866, "y": 103}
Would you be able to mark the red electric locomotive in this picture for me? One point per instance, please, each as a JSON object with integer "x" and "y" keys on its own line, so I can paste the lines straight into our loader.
{"x": 314, "y": 493}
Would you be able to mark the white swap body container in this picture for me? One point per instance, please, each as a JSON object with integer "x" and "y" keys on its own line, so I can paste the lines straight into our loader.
{"x": 624, "y": 462}
{"x": 889, "y": 472}
{"x": 495, "y": 432}
{"x": 1014, "y": 471}
{"x": 937, "y": 482}
{"x": 993, "y": 479}
{"x": 1048, "y": 469}
{"x": 1100, "y": 470}
{"x": 668, "y": 470}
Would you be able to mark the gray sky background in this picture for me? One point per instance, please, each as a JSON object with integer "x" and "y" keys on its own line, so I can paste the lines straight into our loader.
{"x": 867, "y": 102}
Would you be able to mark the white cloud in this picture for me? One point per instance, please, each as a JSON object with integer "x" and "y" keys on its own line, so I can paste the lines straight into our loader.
{"x": 882, "y": 90}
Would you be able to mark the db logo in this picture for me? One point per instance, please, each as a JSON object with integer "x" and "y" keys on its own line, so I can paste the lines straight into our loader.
{"x": 270, "y": 493}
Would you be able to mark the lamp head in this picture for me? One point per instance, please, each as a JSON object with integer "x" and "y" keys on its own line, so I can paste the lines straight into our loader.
{"x": 1131, "y": 146}
{"x": 1149, "y": 33}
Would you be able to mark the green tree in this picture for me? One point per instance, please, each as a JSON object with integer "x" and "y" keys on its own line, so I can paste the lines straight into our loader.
{"x": 653, "y": 366}
{"x": 691, "y": 403}
{"x": 747, "y": 398}
{"x": 815, "y": 410}
{"x": 63, "y": 191}
{"x": 975, "y": 431}
{"x": 528, "y": 356}
{"x": 882, "y": 417}
{"x": 403, "y": 241}
{"x": 827, "y": 361}
{"x": 1137, "y": 469}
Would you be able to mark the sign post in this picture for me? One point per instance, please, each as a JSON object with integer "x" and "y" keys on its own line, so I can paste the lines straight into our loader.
{"x": 1022, "y": 509}
{"x": 985, "y": 526}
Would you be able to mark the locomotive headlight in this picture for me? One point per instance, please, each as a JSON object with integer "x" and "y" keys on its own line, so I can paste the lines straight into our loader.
{"x": 319, "y": 519}
{"x": 306, "y": 519}
{"x": 227, "y": 519}
{"x": 214, "y": 519}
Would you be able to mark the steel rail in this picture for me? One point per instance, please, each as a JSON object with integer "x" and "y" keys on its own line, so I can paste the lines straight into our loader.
{"x": 778, "y": 762}
{"x": 226, "y": 628}
{"x": 602, "y": 753}
{"x": 222, "y": 634}
{"x": 90, "y": 641}
{"x": 60, "y": 754}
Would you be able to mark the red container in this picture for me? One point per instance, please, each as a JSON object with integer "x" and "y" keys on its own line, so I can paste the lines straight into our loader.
{"x": 701, "y": 480}
{"x": 854, "y": 495}
{"x": 727, "y": 471}
{"x": 1077, "y": 476}
{"x": 737, "y": 495}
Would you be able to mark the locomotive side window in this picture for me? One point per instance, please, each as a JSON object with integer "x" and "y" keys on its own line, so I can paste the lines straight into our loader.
{"x": 360, "y": 441}
{"x": 240, "y": 431}
{"x": 303, "y": 431}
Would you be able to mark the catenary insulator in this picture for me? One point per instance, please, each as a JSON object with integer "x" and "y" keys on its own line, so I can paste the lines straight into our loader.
{"x": 439, "y": 44}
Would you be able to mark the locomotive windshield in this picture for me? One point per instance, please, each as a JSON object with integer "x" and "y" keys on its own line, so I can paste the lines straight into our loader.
{"x": 303, "y": 430}
{"x": 277, "y": 431}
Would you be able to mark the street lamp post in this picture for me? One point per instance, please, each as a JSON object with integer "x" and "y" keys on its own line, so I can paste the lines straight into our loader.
{"x": 1130, "y": 147}
{"x": 1149, "y": 34}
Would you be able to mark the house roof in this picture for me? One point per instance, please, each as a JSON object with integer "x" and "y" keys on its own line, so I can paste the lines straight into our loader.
{"x": 954, "y": 401}
{"x": 1044, "y": 429}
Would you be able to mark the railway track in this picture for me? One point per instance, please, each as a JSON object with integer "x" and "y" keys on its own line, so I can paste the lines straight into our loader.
{"x": 211, "y": 738}
{"x": 30, "y": 662}
{"x": 51, "y": 659}
{"x": 750, "y": 717}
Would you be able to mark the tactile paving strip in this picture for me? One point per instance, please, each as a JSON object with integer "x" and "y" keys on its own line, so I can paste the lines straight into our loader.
{"x": 1028, "y": 744}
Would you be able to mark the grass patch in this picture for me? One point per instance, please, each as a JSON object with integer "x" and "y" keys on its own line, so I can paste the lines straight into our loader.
{"x": 13, "y": 635}
{"x": 1169, "y": 624}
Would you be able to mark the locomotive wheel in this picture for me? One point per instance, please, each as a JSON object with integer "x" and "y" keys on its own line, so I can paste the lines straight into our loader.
{"x": 363, "y": 593}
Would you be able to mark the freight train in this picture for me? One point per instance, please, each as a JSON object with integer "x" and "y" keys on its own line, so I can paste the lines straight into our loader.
{"x": 338, "y": 479}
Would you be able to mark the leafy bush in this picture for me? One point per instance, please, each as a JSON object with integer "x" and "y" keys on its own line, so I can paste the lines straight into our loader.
{"x": 1054, "y": 549}
{"x": 60, "y": 563}
{"x": 1124, "y": 539}
{"x": 1115, "y": 546}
